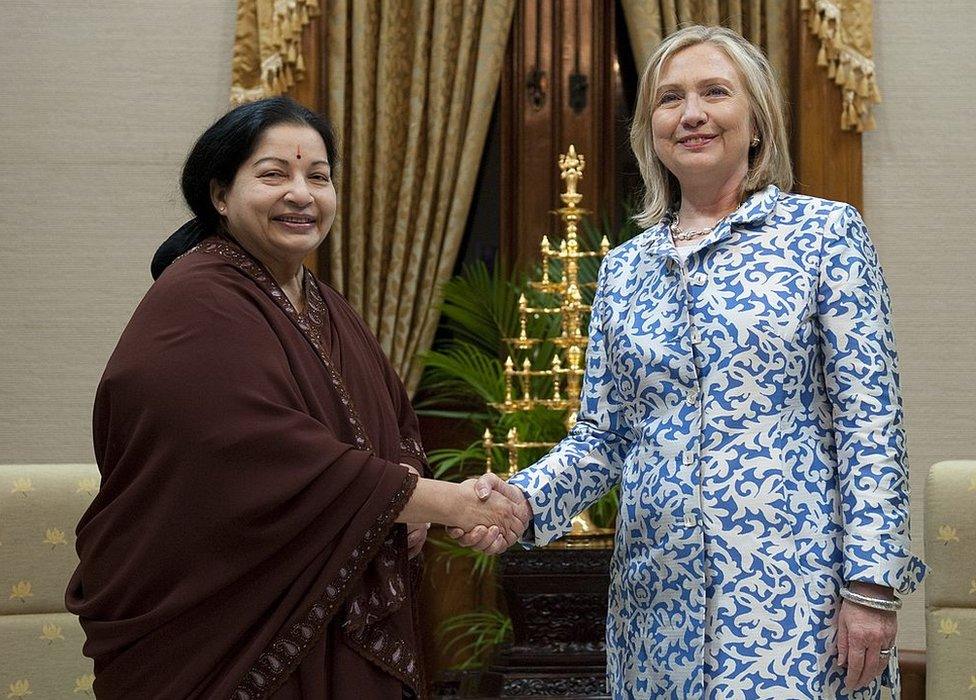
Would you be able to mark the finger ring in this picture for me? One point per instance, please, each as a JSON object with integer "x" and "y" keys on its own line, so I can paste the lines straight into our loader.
{"x": 887, "y": 652}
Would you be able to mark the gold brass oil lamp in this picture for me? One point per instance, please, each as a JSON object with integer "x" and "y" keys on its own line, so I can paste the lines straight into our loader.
{"x": 566, "y": 369}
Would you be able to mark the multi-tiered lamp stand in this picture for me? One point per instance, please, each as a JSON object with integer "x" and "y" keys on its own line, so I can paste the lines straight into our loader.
{"x": 556, "y": 595}
{"x": 566, "y": 369}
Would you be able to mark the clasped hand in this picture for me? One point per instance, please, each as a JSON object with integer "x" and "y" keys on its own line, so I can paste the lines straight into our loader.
{"x": 485, "y": 513}
{"x": 496, "y": 515}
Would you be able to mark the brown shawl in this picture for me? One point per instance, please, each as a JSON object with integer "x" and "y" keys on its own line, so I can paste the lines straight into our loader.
{"x": 243, "y": 541}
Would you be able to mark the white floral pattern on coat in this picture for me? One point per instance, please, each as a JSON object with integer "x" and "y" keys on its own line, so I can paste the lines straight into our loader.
{"x": 747, "y": 404}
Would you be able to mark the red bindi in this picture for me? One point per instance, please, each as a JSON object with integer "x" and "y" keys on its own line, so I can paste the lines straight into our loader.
{"x": 298, "y": 154}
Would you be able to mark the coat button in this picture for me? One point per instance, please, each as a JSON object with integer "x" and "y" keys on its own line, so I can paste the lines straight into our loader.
{"x": 688, "y": 459}
{"x": 698, "y": 278}
{"x": 693, "y": 395}
{"x": 695, "y": 336}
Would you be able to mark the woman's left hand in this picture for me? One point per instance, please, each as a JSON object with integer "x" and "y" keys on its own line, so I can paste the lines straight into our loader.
{"x": 416, "y": 532}
{"x": 862, "y": 633}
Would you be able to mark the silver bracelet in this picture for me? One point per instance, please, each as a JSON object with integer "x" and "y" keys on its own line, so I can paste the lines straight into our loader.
{"x": 869, "y": 602}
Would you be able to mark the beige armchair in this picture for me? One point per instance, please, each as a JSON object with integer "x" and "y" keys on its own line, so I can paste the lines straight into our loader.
{"x": 40, "y": 642}
{"x": 950, "y": 589}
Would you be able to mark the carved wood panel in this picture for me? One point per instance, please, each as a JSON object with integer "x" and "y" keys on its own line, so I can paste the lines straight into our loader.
{"x": 557, "y": 88}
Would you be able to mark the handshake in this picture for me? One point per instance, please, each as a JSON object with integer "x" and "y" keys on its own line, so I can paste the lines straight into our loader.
{"x": 486, "y": 514}
{"x": 494, "y": 514}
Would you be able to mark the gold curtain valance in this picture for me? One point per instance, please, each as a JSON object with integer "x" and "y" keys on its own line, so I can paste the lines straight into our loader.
{"x": 845, "y": 31}
{"x": 268, "y": 47}
{"x": 843, "y": 28}
{"x": 766, "y": 23}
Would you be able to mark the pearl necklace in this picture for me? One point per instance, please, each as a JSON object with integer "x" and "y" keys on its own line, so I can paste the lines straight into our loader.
{"x": 679, "y": 235}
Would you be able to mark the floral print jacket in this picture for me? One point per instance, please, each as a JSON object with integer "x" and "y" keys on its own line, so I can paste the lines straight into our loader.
{"x": 746, "y": 402}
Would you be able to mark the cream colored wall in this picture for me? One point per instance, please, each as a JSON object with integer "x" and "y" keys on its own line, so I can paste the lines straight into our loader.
{"x": 919, "y": 184}
{"x": 99, "y": 102}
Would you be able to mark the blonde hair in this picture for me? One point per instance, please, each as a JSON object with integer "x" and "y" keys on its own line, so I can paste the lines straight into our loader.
{"x": 769, "y": 162}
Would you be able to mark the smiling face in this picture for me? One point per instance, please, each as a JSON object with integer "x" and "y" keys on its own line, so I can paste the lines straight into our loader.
{"x": 701, "y": 120}
{"x": 281, "y": 203}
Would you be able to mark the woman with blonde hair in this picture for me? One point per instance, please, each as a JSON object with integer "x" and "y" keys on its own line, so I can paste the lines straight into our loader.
{"x": 742, "y": 390}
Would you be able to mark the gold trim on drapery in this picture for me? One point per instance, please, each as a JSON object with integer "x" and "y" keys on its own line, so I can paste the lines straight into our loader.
{"x": 763, "y": 22}
{"x": 845, "y": 31}
{"x": 268, "y": 56}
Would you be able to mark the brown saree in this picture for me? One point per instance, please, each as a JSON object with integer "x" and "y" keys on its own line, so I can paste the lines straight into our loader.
{"x": 243, "y": 542}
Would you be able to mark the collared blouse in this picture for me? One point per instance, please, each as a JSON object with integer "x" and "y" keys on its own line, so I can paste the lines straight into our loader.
{"x": 746, "y": 402}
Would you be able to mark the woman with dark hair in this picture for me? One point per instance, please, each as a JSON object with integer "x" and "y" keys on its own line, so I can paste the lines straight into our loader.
{"x": 257, "y": 453}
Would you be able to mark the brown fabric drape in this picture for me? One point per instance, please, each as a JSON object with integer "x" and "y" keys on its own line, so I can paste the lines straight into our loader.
{"x": 410, "y": 87}
{"x": 845, "y": 31}
{"x": 243, "y": 538}
{"x": 844, "y": 28}
{"x": 763, "y": 22}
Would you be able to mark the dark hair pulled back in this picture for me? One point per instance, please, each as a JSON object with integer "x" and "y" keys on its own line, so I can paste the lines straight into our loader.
{"x": 219, "y": 153}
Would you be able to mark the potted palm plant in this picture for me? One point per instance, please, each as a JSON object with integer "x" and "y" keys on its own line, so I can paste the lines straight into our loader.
{"x": 464, "y": 376}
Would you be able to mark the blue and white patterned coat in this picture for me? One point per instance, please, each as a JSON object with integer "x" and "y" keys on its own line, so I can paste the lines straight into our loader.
{"x": 747, "y": 404}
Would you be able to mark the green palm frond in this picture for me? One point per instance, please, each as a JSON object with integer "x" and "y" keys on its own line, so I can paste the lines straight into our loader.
{"x": 474, "y": 635}
{"x": 480, "y": 308}
{"x": 463, "y": 371}
{"x": 476, "y": 417}
{"x": 537, "y": 424}
{"x": 450, "y": 463}
{"x": 481, "y": 564}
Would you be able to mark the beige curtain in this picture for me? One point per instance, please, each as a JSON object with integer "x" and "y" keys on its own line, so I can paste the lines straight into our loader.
{"x": 410, "y": 88}
{"x": 411, "y": 84}
{"x": 845, "y": 31}
{"x": 763, "y": 22}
